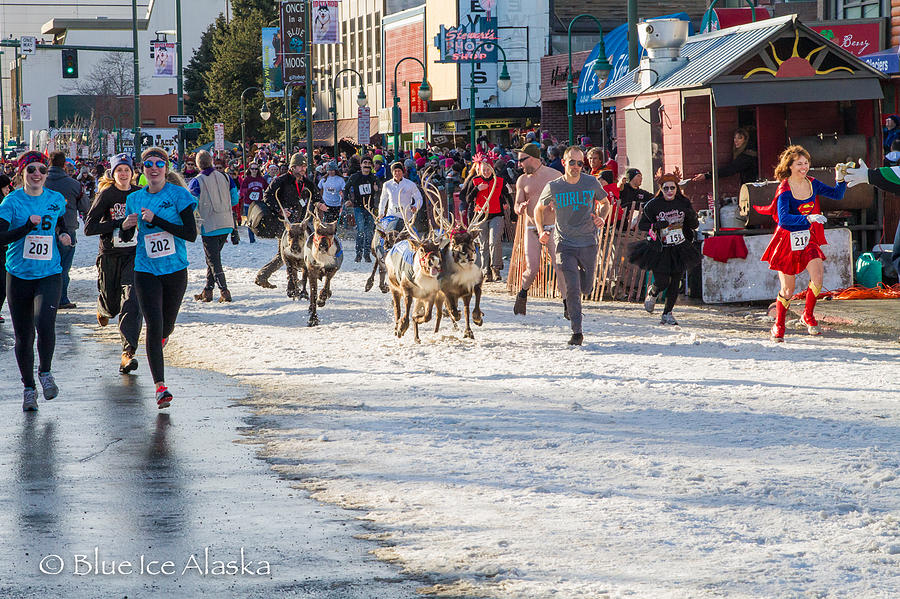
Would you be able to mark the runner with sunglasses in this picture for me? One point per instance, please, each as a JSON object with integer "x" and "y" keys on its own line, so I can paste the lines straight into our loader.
{"x": 581, "y": 206}
{"x": 163, "y": 215}
{"x": 31, "y": 222}
{"x": 669, "y": 251}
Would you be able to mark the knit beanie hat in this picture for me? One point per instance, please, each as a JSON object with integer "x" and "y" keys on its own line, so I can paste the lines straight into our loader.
{"x": 297, "y": 159}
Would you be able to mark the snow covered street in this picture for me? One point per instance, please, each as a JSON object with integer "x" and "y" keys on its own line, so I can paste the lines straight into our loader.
{"x": 653, "y": 462}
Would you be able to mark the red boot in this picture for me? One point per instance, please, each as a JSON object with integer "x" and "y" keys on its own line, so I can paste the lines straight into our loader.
{"x": 781, "y": 308}
{"x": 812, "y": 325}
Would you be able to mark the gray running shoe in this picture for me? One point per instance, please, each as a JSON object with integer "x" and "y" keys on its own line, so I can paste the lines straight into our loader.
{"x": 29, "y": 404}
{"x": 48, "y": 385}
{"x": 668, "y": 319}
{"x": 650, "y": 300}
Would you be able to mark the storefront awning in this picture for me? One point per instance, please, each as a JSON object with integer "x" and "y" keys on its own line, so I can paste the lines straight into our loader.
{"x": 886, "y": 61}
{"x": 616, "y": 45}
{"x": 774, "y": 92}
{"x": 446, "y": 116}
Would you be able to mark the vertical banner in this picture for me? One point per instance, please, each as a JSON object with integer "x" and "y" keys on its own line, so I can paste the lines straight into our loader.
{"x": 416, "y": 104}
{"x": 479, "y": 22}
{"x": 163, "y": 59}
{"x": 111, "y": 144}
{"x": 293, "y": 50}
{"x": 73, "y": 150}
{"x": 51, "y": 146}
{"x": 271, "y": 62}
{"x": 363, "y": 116}
{"x": 219, "y": 136}
{"x": 25, "y": 112}
{"x": 326, "y": 24}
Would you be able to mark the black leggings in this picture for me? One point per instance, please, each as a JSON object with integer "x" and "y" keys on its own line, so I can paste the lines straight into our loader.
{"x": 215, "y": 274}
{"x": 32, "y": 304}
{"x": 2, "y": 275}
{"x": 160, "y": 299}
{"x": 670, "y": 282}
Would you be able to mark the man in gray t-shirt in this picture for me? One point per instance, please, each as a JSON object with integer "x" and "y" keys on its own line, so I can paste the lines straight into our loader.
{"x": 581, "y": 206}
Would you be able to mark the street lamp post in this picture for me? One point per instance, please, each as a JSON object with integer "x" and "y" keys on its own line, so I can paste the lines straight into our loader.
{"x": 264, "y": 114}
{"x": 112, "y": 130}
{"x": 424, "y": 95}
{"x": 360, "y": 101}
{"x": 601, "y": 68}
{"x": 503, "y": 82}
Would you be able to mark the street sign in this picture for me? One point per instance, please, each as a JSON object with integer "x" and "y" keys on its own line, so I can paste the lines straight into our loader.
{"x": 27, "y": 44}
{"x": 219, "y": 136}
{"x": 364, "y": 121}
{"x": 180, "y": 119}
{"x": 194, "y": 125}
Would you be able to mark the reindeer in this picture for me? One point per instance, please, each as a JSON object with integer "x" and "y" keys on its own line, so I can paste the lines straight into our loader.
{"x": 461, "y": 277}
{"x": 323, "y": 258}
{"x": 413, "y": 268}
{"x": 292, "y": 247}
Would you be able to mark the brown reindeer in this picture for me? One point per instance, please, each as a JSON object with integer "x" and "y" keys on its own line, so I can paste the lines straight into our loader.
{"x": 323, "y": 258}
{"x": 461, "y": 277}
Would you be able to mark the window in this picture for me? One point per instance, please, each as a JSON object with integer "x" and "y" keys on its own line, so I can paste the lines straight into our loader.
{"x": 859, "y": 9}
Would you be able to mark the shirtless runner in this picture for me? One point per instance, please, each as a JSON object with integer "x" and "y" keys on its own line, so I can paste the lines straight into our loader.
{"x": 528, "y": 189}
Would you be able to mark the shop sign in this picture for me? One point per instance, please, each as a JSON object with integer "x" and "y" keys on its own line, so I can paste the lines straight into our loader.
{"x": 458, "y": 42}
{"x": 856, "y": 38}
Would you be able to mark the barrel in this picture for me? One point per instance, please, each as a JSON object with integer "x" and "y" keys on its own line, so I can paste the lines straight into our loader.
{"x": 829, "y": 149}
{"x": 763, "y": 192}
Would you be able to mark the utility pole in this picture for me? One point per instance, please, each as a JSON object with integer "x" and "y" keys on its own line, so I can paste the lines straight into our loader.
{"x": 180, "y": 80}
{"x": 137, "y": 83}
{"x": 632, "y": 35}
{"x": 309, "y": 96}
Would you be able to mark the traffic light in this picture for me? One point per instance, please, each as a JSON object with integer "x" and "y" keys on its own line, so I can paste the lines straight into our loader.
{"x": 70, "y": 64}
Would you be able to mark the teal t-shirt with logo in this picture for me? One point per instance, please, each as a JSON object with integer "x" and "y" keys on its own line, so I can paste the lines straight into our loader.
{"x": 159, "y": 252}
{"x": 37, "y": 254}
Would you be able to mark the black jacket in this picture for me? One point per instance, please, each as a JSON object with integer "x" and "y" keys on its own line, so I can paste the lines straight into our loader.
{"x": 355, "y": 194}
{"x": 291, "y": 193}
{"x": 629, "y": 197}
{"x": 76, "y": 201}
{"x": 659, "y": 213}
{"x": 745, "y": 165}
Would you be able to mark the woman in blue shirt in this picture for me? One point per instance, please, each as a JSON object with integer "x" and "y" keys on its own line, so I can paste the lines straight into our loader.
{"x": 163, "y": 214}
{"x": 31, "y": 222}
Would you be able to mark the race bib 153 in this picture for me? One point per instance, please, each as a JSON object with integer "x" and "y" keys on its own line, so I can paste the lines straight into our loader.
{"x": 674, "y": 236}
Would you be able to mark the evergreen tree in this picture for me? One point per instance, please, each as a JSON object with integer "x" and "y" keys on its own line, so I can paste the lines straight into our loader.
{"x": 194, "y": 86}
{"x": 243, "y": 8}
{"x": 236, "y": 66}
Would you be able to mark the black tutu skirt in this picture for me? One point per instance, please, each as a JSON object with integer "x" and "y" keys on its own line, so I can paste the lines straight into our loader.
{"x": 653, "y": 255}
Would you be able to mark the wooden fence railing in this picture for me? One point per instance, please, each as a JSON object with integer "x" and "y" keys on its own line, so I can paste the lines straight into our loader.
{"x": 615, "y": 277}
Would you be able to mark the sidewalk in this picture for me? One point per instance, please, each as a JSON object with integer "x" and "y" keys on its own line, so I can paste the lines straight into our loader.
{"x": 100, "y": 467}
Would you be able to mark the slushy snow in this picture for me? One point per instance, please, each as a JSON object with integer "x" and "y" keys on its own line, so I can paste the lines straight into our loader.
{"x": 697, "y": 461}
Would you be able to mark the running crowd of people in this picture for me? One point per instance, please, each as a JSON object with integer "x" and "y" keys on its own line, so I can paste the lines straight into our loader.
{"x": 146, "y": 211}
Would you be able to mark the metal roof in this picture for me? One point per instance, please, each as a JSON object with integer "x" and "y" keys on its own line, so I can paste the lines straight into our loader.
{"x": 711, "y": 55}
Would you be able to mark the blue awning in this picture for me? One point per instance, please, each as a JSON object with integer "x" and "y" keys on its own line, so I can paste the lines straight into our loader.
{"x": 616, "y": 45}
{"x": 886, "y": 61}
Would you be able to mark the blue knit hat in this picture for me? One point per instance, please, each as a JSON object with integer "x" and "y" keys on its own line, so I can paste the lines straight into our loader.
{"x": 121, "y": 159}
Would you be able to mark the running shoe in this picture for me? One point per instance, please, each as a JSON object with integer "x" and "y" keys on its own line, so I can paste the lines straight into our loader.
{"x": 163, "y": 397}
{"x": 777, "y": 333}
{"x": 668, "y": 319}
{"x": 576, "y": 339}
{"x": 48, "y": 385}
{"x": 129, "y": 362}
{"x": 29, "y": 404}
{"x": 67, "y": 306}
{"x": 521, "y": 302}
{"x": 650, "y": 300}
{"x": 812, "y": 325}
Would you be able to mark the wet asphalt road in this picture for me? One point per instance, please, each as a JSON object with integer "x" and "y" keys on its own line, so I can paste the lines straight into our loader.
{"x": 100, "y": 467}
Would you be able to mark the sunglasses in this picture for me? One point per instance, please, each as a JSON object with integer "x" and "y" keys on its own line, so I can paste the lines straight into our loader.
{"x": 669, "y": 188}
{"x": 523, "y": 159}
{"x": 156, "y": 163}
{"x": 576, "y": 163}
{"x": 31, "y": 168}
